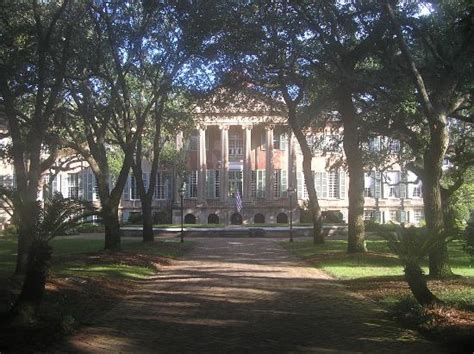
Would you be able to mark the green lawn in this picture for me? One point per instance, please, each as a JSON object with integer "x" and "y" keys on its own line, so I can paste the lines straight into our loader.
{"x": 332, "y": 257}
{"x": 77, "y": 256}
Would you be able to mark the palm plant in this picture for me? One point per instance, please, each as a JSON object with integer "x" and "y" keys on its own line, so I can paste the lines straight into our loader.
{"x": 412, "y": 245}
{"x": 55, "y": 217}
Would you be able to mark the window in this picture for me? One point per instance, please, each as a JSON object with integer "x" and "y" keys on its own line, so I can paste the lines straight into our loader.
{"x": 418, "y": 215}
{"x": 333, "y": 184}
{"x": 393, "y": 192}
{"x": 162, "y": 186}
{"x": 213, "y": 183}
{"x": 134, "y": 189}
{"x": 394, "y": 215}
{"x": 236, "y": 144}
{"x": 336, "y": 184}
{"x": 417, "y": 193}
{"x": 73, "y": 185}
{"x": 369, "y": 215}
{"x": 192, "y": 184}
{"x": 193, "y": 142}
{"x": 368, "y": 192}
{"x": 258, "y": 184}
{"x": 391, "y": 181}
{"x": 235, "y": 181}
{"x": 374, "y": 143}
{"x": 279, "y": 183}
{"x": 90, "y": 185}
{"x": 280, "y": 141}
{"x": 394, "y": 145}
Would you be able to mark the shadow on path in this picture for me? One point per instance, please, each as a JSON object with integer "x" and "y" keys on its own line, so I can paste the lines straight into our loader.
{"x": 244, "y": 295}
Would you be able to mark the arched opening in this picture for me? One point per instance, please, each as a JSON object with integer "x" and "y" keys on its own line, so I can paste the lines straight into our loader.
{"x": 189, "y": 219}
{"x": 282, "y": 218}
{"x": 259, "y": 219}
{"x": 236, "y": 219}
{"x": 212, "y": 219}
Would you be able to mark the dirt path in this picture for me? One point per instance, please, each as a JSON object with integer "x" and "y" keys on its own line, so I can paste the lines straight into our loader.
{"x": 244, "y": 295}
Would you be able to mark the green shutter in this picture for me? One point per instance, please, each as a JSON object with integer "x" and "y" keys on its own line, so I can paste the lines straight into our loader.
{"x": 378, "y": 185}
{"x": 126, "y": 190}
{"x": 324, "y": 185}
{"x": 342, "y": 184}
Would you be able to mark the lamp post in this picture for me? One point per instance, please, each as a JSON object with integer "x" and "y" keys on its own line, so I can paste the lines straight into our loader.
{"x": 182, "y": 190}
{"x": 290, "y": 191}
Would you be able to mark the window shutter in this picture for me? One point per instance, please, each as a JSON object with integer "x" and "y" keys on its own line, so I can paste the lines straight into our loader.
{"x": 378, "y": 185}
{"x": 126, "y": 189}
{"x": 318, "y": 183}
{"x": 371, "y": 183}
{"x": 324, "y": 185}
{"x": 64, "y": 185}
{"x": 145, "y": 180}
{"x": 210, "y": 182}
{"x": 54, "y": 184}
{"x": 89, "y": 182}
{"x": 283, "y": 141}
{"x": 168, "y": 188}
{"x": 261, "y": 183}
{"x": 402, "y": 217}
{"x": 299, "y": 185}
{"x": 284, "y": 183}
{"x": 403, "y": 185}
{"x": 96, "y": 188}
{"x": 342, "y": 184}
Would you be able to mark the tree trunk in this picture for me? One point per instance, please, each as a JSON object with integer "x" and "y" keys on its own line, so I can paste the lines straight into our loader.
{"x": 24, "y": 243}
{"x": 417, "y": 283}
{"x": 356, "y": 227}
{"x": 314, "y": 208}
{"x": 26, "y": 229}
{"x": 148, "y": 235}
{"x": 112, "y": 227}
{"x": 26, "y": 307}
{"x": 433, "y": 158}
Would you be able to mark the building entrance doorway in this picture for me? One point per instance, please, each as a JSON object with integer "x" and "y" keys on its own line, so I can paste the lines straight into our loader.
{"x": 236, "y": 219}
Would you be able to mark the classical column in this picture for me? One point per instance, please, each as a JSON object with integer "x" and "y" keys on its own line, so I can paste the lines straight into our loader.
{"x": 224, "y": 175}
{"x": 269, "y": 164}
{"x": 202, "y": 166}
{"x": 247, "y": 176}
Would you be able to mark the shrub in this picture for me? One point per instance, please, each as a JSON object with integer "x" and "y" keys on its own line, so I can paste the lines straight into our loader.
{"x": 305, "y": 216}
{"x": 10, "y": 231}
{"x": 332, "y": 217}
{"x": 411, "y": 245}
{"x": 162, "y": 216}
{"x": 371, "y": 225}
{"x": 89, "y": 228}
{"x": 135, "y": 218}
{"x": 469, "y": 239}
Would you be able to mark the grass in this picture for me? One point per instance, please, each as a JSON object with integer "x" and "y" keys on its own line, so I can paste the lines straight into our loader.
{"x": 379, "y": 261}
{"x": 85, "y": 282}
{"x": 69, "y": 253}
{"x": 378, "y": 275}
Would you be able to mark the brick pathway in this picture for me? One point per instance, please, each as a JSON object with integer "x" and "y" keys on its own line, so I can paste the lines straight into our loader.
{"x": 244, "y": 295}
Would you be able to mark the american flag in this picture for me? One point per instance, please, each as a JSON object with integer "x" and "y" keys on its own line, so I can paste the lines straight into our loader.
{"x": 238, "y": 201}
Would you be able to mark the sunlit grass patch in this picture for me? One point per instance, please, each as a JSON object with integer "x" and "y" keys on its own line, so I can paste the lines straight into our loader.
{"x": 113, "y": 270}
